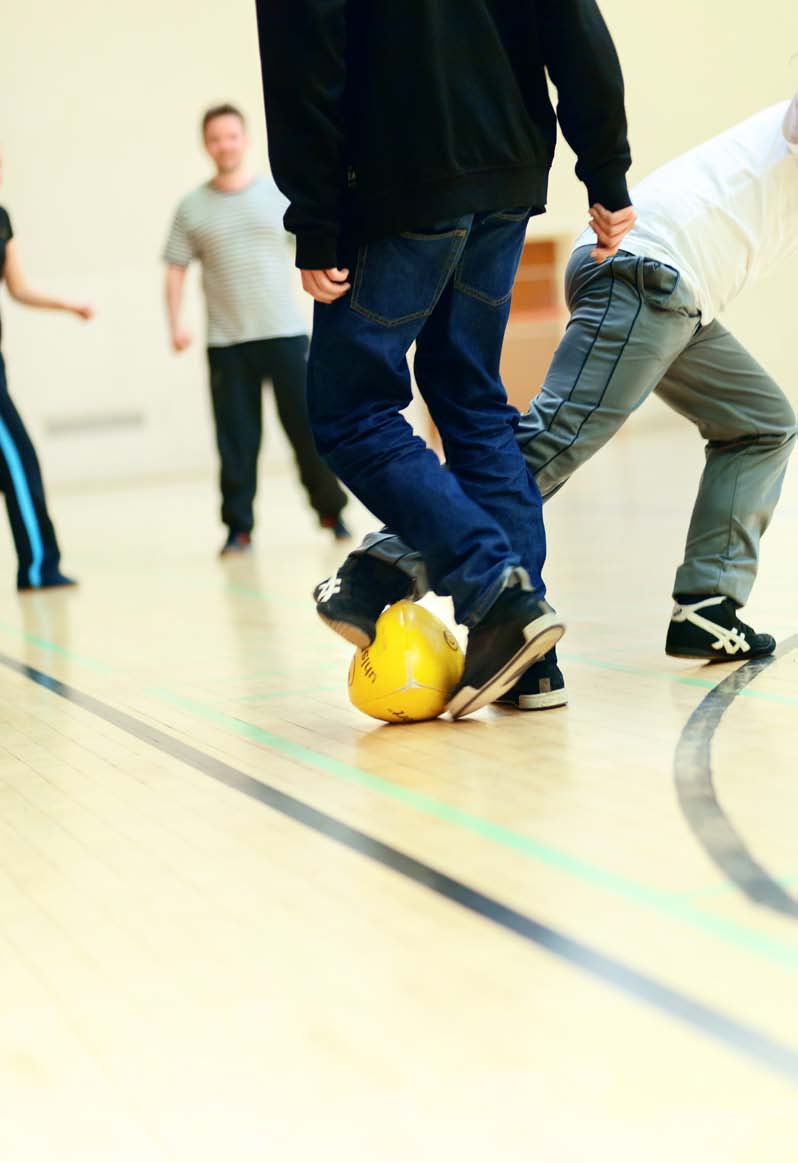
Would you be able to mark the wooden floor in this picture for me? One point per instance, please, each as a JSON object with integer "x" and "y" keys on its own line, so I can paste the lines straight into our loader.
{"x": 239, "y": 921}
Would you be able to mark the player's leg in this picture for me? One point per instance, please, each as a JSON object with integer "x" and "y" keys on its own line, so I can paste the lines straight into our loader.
{"x": 21, "y": 482}
{"x": 236, "y": 395}
{"x": 630, "y": 318}
{"x": 749, "y": 427}
{"x": 359, "y": 383}
{"x": 457, "y": 369}
{"x": 285, "y": 364}
{"x": 457, "y": 360}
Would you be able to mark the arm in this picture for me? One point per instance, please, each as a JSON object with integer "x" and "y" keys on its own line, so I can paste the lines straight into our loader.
{"x": 303, "y": 60}
{"x": 18, "y": 288}
{"x": 582, "y": 62}
{"x": 175, "y": 281}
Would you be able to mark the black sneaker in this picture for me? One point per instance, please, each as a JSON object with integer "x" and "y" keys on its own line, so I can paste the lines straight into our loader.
{"x": 518, "y": 629}
{"x": 709, "y": 628}
{"x": 57, "y": 581}
{"x": 540, "y": 687}
{"x": 352, "y": 600}
{"x": 337, "y": 526}
{"x": 236, "y": 543}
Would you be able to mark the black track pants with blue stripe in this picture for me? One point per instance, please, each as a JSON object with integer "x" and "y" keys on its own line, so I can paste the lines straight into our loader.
{"x": 21, "y": 483}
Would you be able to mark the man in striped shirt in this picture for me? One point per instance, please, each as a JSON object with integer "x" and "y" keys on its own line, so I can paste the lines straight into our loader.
{"x": 233, "y": 226}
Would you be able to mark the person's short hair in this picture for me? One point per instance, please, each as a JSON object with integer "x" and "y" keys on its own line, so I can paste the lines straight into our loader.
{"x": 225, "y": 110}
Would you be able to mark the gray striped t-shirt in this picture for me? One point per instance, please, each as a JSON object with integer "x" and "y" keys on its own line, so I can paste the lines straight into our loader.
{"x": 246, "y": 257}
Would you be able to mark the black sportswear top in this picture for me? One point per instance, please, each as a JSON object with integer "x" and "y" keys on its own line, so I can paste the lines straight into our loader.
{"x": 390, "y": 114}
{"x": 6, "y": 234}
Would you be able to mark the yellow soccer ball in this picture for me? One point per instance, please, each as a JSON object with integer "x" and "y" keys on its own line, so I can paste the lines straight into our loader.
{"x": 408, "y": 672}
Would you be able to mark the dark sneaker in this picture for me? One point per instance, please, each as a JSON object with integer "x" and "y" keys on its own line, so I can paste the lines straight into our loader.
{"x": 351, "y": 601}
{"x": 709, "y": 628}
{"x": 337, "y": 526}
{"x": 540, "y": 687}
{"x": 56, "y": 582}
{"x": 236, "y": 543}
{"x": 517, "y": 630}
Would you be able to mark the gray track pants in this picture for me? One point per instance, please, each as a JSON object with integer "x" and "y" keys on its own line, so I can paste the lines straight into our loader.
{"x": 635, "y": 329}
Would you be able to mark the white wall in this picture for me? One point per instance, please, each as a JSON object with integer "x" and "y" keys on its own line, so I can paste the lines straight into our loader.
{"x": 100, "y": 104}
{"x": 101, "y": 138}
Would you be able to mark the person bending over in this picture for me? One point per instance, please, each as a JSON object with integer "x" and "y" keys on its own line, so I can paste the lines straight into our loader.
{"x": 710, "y": 224}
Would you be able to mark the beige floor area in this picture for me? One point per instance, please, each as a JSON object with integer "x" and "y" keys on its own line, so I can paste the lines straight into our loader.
{"x": 241, "y": 921}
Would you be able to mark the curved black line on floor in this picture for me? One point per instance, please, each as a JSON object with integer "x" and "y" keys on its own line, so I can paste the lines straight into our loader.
{"x": 753, "y": 1044}
{"x": 698, "y": 798}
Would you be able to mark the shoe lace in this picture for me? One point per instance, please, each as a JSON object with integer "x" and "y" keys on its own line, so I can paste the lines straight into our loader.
{"x": 731, "y": 639}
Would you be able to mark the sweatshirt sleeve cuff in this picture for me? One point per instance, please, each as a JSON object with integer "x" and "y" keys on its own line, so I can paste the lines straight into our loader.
{"x": 609, "y": 189}
{"x": 316, "y": 252}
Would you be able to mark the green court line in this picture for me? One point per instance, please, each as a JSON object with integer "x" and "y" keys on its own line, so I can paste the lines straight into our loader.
{"x": 668, "y": 904}
{"x": 54, "y": 648}
{"x": 640, "y": 671}
{"x": 675, "y": 905}
{"x": 566, "y": 656}
{"x": 684, "y": 680}
{"x": 283, "y": 599}
{"x": 311, "y": 690}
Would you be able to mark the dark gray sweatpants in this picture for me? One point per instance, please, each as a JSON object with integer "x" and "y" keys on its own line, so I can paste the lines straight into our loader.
{"x": 635, "y": 329}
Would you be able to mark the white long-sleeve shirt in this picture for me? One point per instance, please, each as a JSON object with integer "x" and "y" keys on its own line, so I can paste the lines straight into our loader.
{"x": 723, "y": 213}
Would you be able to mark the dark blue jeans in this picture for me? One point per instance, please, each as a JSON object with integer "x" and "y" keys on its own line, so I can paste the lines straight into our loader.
{"x": 448, "y": 290}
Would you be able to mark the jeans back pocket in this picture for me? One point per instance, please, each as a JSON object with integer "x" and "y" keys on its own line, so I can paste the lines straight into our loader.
{"x": 399, "y": 279}
{"x": 489, "y": 263}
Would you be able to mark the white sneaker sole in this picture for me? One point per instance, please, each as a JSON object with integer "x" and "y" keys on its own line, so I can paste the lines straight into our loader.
{"x": 541, "y": 635}
{"x": 347, "y": 631}
{"x": 541, "y": 702}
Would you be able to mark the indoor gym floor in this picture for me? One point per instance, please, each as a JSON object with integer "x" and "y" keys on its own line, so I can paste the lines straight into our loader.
{"x": 241, "y": 921}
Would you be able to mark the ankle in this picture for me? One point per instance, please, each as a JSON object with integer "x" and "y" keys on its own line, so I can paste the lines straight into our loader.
{"x": 693, "y": 599}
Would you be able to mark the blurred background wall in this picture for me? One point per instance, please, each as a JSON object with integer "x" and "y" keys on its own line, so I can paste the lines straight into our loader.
{"x": 99, "y": 106}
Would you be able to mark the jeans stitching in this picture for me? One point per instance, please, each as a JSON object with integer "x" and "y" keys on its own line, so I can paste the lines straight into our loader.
{"x": 474, "y": 294}
{"x": 458, "y": 238}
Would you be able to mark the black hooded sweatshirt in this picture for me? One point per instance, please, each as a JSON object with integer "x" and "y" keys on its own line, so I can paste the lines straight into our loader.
{"x": 388, "y": 115}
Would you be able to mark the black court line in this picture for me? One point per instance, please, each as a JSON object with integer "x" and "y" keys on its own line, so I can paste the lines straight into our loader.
{"x": 753, "y": 1044}
{"x": 698, "y": 798}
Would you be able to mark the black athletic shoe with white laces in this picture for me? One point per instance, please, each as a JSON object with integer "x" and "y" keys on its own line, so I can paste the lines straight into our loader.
{"x": 517, "y": 630}
{"x": 540, "y": 687}
{"x": 710, "y": 629}
{"x": 351, "y": 601}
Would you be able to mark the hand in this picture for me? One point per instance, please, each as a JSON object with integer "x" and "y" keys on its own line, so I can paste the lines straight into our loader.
{"x": 181, "y": 339}
{"x": 83, "y": 311}
{"x": 326, "y": 286}
{"x": 611, "y": 228}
